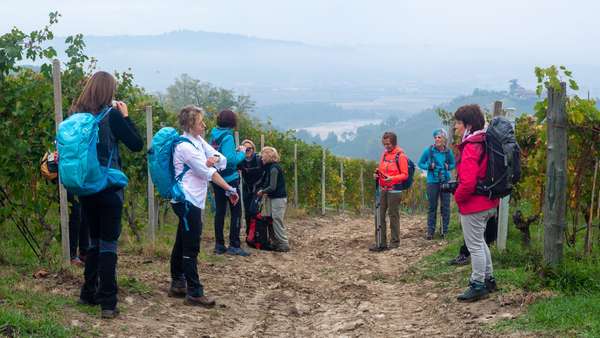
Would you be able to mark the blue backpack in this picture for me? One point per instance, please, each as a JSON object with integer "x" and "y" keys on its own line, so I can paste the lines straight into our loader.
{"x": 160, "y": 164}
{"x": 78, "y": 166}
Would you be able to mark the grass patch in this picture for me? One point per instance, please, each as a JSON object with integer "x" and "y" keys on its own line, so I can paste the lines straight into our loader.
{"x": 564, "y": 315}
{"x": 16, "y": 324}
{"x": 28, "y": 313}
{"x": 133, "y": 285}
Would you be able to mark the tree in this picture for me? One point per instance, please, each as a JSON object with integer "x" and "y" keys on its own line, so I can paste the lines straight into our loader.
{"x": 187, "y": 90}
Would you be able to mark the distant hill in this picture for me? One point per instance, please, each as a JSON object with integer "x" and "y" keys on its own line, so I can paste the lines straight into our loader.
{"x": 415, "y": 133}
{"x": 299, "y": 115}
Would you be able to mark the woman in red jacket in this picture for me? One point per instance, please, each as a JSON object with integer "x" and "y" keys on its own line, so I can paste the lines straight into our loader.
{"x": 474, "y": 209}
{"x": 392, "y": 171}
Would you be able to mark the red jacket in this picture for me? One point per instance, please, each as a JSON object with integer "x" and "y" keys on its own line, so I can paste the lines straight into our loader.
{"x": 389, "y": 168}
{"x": 470, "y": 171}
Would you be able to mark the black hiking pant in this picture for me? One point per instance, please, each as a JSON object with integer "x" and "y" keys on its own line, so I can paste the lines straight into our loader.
{"x": 79, "y": 234}
{"x": 102, "y": 212}
{"x": 184, "y": 257}
{"x": 221, "y": 202}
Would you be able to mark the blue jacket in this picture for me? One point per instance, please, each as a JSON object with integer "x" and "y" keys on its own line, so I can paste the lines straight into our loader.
{"x": 229, "y": 150}
{"x": 440, "y": 174}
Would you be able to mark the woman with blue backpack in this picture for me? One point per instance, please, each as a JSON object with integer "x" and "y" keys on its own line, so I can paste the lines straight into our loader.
{"x": 438, "y": 161}
{"x": 102, "y": 210}
{"x": 196, "y": 163}
{"x": 222, "y": 139}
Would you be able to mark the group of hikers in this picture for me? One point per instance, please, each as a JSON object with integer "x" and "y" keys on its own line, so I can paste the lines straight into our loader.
{"x": 478, "y": 212}
{"x": 95, "y": 218}
{"x": 218, "y": 161}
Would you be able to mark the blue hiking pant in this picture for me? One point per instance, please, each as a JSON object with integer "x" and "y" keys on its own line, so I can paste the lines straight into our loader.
{"x": 433, "y": 195}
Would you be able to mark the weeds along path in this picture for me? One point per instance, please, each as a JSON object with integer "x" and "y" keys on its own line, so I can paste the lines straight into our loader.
{"x": 328, "y": 285}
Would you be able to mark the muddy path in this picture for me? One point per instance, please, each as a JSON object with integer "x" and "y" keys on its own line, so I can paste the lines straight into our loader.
{"x": 328, "y": 285}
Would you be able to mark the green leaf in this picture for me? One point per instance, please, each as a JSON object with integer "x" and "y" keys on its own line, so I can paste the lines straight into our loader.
{"x": 573, "y": 85}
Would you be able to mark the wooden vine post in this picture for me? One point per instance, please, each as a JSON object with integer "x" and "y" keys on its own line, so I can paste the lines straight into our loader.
{"x": 342, "y": 187}
{"x": 504, "y": 201}
{"x": 243, "y": 218}
{"x": 362, "y": 189}
{"x": 296, "y": 175}
{"x": 323, "y": 184}
{"x": 151, "y": 204}
{"x": 62, "y": 192}
{"x": 588, "y": 235}
{"x": 555, "y": 194}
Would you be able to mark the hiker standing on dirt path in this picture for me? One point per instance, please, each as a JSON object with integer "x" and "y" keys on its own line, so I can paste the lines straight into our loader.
{"x": 203, "y": 161}
{"x": 475, "y": 210}
{"x": 438, "y": 161}
{"x": 222, "y": 139}
{"x": 490, "y": 235}
{"x": 392, "y": 171}
{"x": 252, "y": 170}
{"x": 102, "y": 211}
{"x": 273, "y": 187}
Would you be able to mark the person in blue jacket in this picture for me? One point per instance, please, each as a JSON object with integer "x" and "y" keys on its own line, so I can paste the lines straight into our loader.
{"x": 222, "y": 139}
{"x": 438, "y": 161}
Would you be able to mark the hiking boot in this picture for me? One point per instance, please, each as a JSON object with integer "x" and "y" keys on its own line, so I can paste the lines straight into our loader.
{"x": 394, "y": 246}
{"x": 199, "y": 301}
{"x": 77, "y": 262}
{"x": 475, "y": 292}
{"x": 459, "y": 260}
{"x": 88, "y": 302}
{"x": 376, "y": 248}
{"x": 220, "y": 249}
{"x": 237, "y": 252}
{"x": 175, "y": 292}
{"x": 490, "y": 284}
{"x": 429, "y": 236}
{"x": 279, "y": 248}
{"x": 110, "y": 314}
{"x": 178, "y": 288}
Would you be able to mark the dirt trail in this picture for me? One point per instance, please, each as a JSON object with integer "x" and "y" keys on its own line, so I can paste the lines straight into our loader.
{"x": 328, "y": 285}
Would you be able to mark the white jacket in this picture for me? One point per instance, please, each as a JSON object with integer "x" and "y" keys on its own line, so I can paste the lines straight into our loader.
{"x": 195, "y": 181}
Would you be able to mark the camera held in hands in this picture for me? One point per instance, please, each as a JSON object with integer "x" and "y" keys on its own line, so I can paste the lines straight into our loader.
{"x": 449, "y": 186}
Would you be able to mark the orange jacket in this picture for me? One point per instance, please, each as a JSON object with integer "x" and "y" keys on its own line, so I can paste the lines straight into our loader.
{"x": 397, "y": 171}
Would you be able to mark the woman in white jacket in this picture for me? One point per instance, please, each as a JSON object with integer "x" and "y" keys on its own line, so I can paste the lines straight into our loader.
{"x": 203, "y": 162}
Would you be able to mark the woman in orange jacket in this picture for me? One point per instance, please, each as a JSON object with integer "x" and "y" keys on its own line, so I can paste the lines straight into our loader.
{"x": 392, "y": 171}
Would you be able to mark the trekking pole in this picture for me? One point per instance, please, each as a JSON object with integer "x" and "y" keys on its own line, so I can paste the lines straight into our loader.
{"x": 378, "y": 240}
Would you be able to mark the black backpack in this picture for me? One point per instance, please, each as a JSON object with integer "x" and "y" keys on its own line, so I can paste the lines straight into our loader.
{"x": 255, "y": 206}
{"x": 504, "y": 163}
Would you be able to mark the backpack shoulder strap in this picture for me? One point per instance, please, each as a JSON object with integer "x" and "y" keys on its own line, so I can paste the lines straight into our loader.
{"x": 431, "y": 154}
{"x": 103, "y": 114}
{"x": 187, "y": 140}
{"x": 397, "y": 160}
{"x": 483, "y": 151}
{"x": 219, "y": 141}
{"x": 183, "y": 139}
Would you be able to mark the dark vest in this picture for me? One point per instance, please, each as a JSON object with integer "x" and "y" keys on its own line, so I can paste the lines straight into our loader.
{"x": 280, "y": 191}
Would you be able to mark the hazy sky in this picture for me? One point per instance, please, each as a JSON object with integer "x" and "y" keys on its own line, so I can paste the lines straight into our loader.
{"x": 516, "y": 23}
